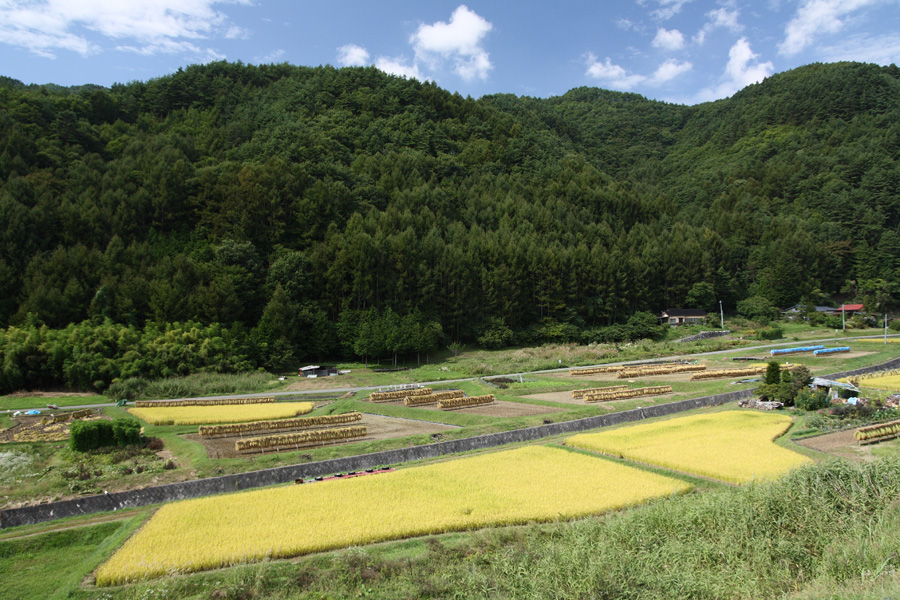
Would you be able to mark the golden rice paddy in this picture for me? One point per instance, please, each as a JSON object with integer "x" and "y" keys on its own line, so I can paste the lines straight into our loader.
{"x": 732, "y": 446}
{"x": 225, "y": 413}
{"x": 888, "y": 382}
{"x": 534, "y": 483}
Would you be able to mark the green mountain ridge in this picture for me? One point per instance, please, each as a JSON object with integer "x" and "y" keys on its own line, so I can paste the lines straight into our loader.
{"x": 199, "y": 195}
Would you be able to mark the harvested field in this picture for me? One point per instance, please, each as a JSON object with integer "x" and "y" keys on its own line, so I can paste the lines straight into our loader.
{"x": 501, "y": 408}
{"x": 844, "y": 444}
{"x": 379, "y": 428}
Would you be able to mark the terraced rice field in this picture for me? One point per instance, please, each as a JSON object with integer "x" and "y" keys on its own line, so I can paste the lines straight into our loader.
{"x": 205, "y": 415}
{"x": 534, "y": 483}
{"x": 733, "y": 446}
{"x": 888, "y": 382}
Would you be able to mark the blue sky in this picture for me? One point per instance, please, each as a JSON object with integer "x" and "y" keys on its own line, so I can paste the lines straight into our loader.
{"x": 684, "y": 51}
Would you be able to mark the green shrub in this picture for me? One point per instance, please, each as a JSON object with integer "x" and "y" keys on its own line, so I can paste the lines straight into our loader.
{"x": 90, "y": 435}
{"x": 770, "y": 333}
{"x": 495, "y": 334}
{"x": 809, "y": 400}
{"x": 126, "y": 432}
{"x": 758, "y": 308}
{"x": 127, "y": 389}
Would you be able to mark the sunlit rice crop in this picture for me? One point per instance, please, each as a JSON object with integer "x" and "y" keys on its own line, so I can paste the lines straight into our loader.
{"x": 514, "y": 486}
{"x": 733, "y": 446}
{"x": 239, "y": 413}
{"x": 888, "y": 382}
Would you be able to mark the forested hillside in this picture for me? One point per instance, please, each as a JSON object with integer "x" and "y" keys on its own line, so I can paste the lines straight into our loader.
{"x": 314, "y": 212}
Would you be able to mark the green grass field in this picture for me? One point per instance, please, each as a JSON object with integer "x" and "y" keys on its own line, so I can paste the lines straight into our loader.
{"x": 41, "y": 402}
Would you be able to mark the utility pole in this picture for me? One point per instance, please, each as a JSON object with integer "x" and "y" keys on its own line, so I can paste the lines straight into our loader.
{"x": 721, "y": 315}
{"x": 885, "y": 329}
{"x": 843, "y": 319}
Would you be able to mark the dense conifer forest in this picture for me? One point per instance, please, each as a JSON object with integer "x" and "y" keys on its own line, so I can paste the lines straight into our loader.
{"x": 231, "y": 216}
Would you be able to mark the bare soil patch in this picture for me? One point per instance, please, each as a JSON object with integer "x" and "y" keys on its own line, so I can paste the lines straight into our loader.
{"x": 378, "y": 428}
{"x": 854, "y": 354}
{"x": 843, "y": 444}
{"x": 323, "y": 383}
{"x": 501, "y": 408}
{"x": 566, "y": 397}
{"x": 497, "y": 408}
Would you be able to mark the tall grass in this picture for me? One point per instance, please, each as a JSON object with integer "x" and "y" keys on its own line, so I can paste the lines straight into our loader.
{"x": 190, "y": 386}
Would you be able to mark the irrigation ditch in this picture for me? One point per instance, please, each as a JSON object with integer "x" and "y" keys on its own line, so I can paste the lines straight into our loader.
{"x": 29, "y": 515}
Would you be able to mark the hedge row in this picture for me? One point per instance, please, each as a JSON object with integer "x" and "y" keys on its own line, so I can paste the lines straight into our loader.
{"x": 878, "y": 432}
{"x": 634, "y": 393}
{"x": 730, "y": 373}
{"x": 658, "y": 370}
{"x": 63, "y": 417}
{"x": 397, "y": 394}
{"x": 301, "y": 438}
{"x": 210, "y": 431}
{"x": 579, "y": 394}
{"x": 432, "y": 398}
{"x": 594, "y": 370}
{"x": 455, "y": 403}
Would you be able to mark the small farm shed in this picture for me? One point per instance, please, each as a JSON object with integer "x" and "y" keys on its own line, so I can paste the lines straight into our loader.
{"x": 836, "y": 389}
{"x": 682, "y": 316}
{"x": 849, "y": 309}
{"x": 318, "y": 371}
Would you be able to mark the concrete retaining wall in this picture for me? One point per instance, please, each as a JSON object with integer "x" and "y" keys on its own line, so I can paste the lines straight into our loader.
{"x": 29, "y": 515}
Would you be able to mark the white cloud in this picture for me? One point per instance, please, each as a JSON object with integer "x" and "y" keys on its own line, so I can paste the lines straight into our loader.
{"x": 396, "y": 66}
{"x": 667, "y": 8}
{"x": 353, "y": 55}
{"x": 743, "y": 69}
{"x": 458, "y": 41}
{"x": 174, "y": 47}
{"x": 720, "y": 18}
{"x": 149, "y": 27}
{"x": 669, "y": 70}
{"x": 816, "y": 17}
{"x": 272, "y": 57}
{"x": 668, "y": 39}
{"x": 617, "y": 77}
{"x": 613, "y": 75}
{"x": 881, "y": 49}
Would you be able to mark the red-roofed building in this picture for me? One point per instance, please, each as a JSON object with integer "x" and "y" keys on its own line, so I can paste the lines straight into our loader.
{"x": 849, "y": 309}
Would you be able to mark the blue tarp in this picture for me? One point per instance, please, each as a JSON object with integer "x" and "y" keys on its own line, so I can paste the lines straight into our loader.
{"x": 830, "y": 350}
{"x": 797, "y": 349}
